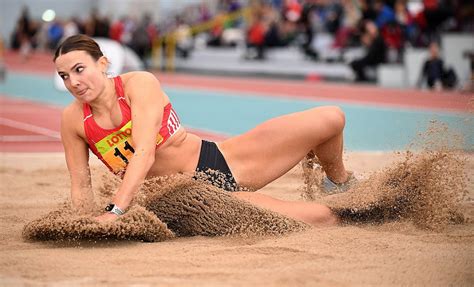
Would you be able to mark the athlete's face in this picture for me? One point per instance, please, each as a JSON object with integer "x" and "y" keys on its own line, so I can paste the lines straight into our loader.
{"x": 83, "y": 76}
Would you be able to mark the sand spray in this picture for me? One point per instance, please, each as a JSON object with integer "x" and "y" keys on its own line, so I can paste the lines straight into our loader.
{"x": 426, "y": 186}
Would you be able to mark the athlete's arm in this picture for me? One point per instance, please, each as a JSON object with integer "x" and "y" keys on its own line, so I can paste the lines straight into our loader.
{"x": 147, "y": 104}
{"x": 77, "y": 159}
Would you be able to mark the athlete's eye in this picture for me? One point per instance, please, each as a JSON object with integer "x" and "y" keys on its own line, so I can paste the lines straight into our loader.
{"x": 63, "y": 76}
{"x": 79, "y": 69}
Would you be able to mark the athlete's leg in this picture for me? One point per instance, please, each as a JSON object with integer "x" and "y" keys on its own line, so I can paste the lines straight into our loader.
{"x": 309, "y": 212}
{"x": 268, "y": 151}
{"x": 329, "y": 154}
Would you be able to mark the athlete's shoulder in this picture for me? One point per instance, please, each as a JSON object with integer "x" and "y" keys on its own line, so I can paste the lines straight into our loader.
{"x": 72, "y": 118}
{"x": 73, "y": 110}
{"x": 137, "y": 84}
{"x": 138, "y": 77}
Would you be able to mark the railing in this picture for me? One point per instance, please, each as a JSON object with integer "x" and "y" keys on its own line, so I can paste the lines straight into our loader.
{"x": 169, "y": 40}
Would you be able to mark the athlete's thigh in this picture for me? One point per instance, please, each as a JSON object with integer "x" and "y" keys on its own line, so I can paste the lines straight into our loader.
{"x": 271, "y": 149}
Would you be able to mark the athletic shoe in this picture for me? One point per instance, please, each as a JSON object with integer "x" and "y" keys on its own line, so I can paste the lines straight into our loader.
{"x": 329, "y": 186}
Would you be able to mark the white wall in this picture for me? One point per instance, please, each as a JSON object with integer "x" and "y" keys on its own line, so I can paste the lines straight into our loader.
{"x": 133, "y": 8}
{"x": 453, "y": 47}
{"x": 413, "y": 62}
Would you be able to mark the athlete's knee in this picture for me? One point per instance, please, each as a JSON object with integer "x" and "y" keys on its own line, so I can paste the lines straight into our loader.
{"x": 335, "y": 118}
{"x": 324, "y": 217}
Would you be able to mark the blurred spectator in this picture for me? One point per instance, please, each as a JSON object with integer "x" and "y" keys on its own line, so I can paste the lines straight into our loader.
{"x": 256, "y": 37}
{"x": 393, "y": 37}
{"x": 436, "y": 75}
{"x": 367, "y": 10}
{"x": 384, "y": 14}
{"x": 334, "y": 15}
{"x": 184, "y": 40}
{"x": 406, "y": 21}
{"x": 129, "y": 27}
{"x": 80, "y": 24}
{"x": 117, "y": 29}
{"x": 436, "y": 13}
{"x": 233, "y": 5}
{"x": 70, "y": 28}
{"x": 431, "y": 19}
{"x": 229, "y": 6}
{"x": 276, "y": 26}
{"x": 346, "y": 35}
{"x": 390, "y": 30}
{"x": 204, "y": 13}
{"x": 375, "y": 55}
{"x": 279, "y": 33}
{"x": 141, "y": 42}
{"x": 55, "y": 34}
{"x": 270, "y": 28}
{"x": 306, "y": 22}
{"x": 22, "y": 37}
{"x": 152, "y": 30}
{"x": 215, "y": 34}
{"x": 292, "y": 10}
{"x": 97, "y": 26}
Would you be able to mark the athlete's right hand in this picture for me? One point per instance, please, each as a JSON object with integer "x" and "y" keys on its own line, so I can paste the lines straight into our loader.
{"x": 106, "y": 217}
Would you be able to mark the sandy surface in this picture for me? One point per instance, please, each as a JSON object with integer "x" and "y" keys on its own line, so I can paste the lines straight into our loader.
{"x": 395, "y": 253}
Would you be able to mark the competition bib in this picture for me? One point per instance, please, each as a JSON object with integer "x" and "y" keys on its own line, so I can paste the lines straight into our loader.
{"x": 117, "y": 148}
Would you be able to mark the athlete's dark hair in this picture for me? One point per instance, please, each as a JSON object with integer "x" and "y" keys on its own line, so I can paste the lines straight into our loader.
{"x": 79, "y": 43}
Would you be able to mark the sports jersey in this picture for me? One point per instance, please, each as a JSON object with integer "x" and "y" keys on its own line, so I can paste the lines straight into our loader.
{"x": 114, "y": 147}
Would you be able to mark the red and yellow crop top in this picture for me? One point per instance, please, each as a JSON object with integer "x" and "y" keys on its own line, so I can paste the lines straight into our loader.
{"x": 114, "y": 147}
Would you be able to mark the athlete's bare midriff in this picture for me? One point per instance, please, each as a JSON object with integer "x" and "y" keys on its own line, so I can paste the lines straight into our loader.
{"x": 179, "y": 154}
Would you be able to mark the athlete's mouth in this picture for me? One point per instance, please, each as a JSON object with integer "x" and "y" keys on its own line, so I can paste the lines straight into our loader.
{"x": 81, "y": 92}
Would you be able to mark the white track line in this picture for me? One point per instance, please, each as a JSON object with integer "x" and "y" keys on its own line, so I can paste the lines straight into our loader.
{"x": 30, "y": 138}
{"x": 30, "y": 128}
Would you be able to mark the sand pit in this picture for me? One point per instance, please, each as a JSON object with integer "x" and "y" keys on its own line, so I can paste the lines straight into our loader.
{"x": 395, "y": 252}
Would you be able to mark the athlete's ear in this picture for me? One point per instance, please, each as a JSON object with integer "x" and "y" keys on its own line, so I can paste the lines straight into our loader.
{"x": 103, "y": 63}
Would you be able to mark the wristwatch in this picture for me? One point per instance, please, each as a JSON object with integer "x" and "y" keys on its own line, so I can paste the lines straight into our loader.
{"x": 112, "y": 208}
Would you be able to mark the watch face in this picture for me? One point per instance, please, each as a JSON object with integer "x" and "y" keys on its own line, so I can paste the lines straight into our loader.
{"x": 109, "y": 207}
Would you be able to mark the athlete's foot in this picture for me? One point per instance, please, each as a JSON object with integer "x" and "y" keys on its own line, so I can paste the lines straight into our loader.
{"x": 339, "y": 178}
{"x": 333, "y": 186}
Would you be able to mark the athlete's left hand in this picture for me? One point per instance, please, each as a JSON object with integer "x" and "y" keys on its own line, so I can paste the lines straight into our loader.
{"x": 106, "y": 217}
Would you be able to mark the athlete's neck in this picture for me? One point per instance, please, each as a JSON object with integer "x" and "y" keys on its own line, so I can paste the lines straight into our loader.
{"x": 107, "y": 99}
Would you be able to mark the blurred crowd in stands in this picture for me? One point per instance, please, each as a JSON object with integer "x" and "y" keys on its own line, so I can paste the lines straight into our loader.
{"x": 383, "y": 27}
{"x": 139, "y": 33}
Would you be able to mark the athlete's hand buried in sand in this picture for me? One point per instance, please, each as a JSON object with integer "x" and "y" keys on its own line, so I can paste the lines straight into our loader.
{"x": 156, "y": 144}
{"x": 106, "y": 217}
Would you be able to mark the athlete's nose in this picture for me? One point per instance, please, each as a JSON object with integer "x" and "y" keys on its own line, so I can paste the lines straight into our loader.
{"x": 74, "y": 81}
